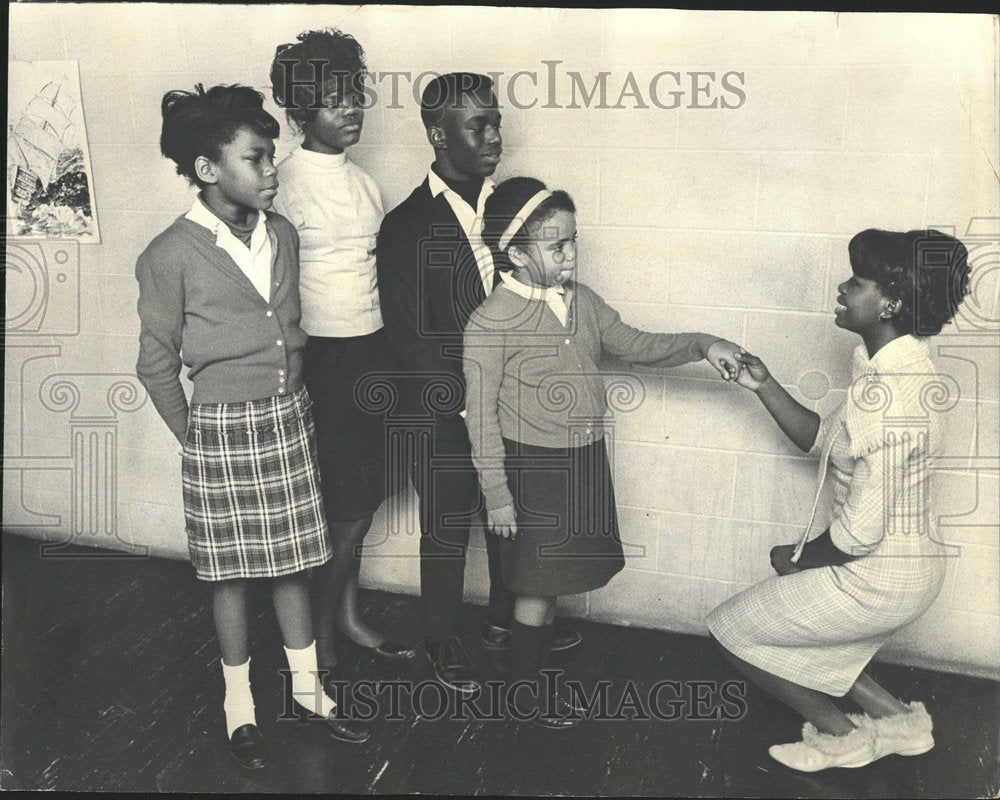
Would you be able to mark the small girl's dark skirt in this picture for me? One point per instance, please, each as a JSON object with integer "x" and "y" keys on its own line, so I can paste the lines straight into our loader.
{"x": 350, "y": 431}
{"x": 567, "y": 525}
{"x": 252, "y": 501}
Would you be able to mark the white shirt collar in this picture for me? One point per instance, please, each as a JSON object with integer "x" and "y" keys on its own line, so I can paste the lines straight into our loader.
{"x": 437, "y": 185}
{"x": 204, "y": 216}
{"x": 531, "y": 292}
{"x": 254, "y": 260}
{"x": 552, "y": 296}
{"x": 471, "y": 220}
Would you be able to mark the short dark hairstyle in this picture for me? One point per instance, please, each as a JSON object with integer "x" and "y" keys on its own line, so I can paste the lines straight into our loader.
{"x": 925, "y": 270}
{"x": 503, "y": 205}
{"x": 199, "y": 123}
{"x": 294, "y": 83}
{"x": 448, "y": 90}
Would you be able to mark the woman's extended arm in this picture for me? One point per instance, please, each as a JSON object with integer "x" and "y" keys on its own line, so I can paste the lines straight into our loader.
{"x": 796, "y": 421}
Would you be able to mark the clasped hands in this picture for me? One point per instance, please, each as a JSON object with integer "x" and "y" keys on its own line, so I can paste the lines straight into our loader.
{"x": 737, "y": 365}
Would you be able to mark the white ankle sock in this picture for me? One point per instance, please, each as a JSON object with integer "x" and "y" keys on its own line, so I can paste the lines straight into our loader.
{"x": 238, "y": 704}
{"x": 307, "y": 688}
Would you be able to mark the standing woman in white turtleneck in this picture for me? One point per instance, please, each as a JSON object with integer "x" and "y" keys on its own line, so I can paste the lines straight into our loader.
{"x": 337, "y": 209}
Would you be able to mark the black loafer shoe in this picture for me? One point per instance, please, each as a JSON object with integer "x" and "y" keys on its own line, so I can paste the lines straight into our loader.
{"x": 496, "y": 638}
{"x": 246, "y": 746}
{"x": 452, "y": 666}
{"x": 347, "y": 730}
{"x": 391, "y": 651}
{"x": 564, "y": 638}
{"x": 552, "y": 723}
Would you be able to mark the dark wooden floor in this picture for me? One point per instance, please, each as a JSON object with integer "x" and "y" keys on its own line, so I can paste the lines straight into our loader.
{"x": 111, "y": 682}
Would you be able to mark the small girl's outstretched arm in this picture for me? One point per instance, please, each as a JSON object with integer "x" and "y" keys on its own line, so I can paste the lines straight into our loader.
{"x": 796, "y": 421}
{"x": 664, "y": 349}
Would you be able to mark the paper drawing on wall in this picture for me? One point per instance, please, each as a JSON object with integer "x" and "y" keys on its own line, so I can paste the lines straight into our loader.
{"x": 49, "y": 184}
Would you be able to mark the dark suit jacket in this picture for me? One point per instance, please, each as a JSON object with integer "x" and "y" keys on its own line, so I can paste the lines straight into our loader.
{"x": 429, "y": 285}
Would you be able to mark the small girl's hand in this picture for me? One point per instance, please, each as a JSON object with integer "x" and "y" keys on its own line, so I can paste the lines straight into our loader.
{"x": 723, "y": 355}
{"x": 502, "y": 521}
{"x": 754, "y": 374}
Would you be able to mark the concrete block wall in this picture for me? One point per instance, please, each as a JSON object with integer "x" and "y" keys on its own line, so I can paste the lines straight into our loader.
{"x": 728, "y": 220}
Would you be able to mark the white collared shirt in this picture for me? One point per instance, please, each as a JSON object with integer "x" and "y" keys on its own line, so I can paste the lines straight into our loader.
{"x": 471, "y": 220}
{"x": 553, "y": 296}
{"x": 254, "y": 261}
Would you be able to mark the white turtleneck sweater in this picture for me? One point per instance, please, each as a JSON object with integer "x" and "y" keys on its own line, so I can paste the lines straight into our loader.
{"x": 336, "y": 208}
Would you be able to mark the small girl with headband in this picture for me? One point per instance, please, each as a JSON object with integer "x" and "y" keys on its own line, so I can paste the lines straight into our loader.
{"x": 535, "y": 403}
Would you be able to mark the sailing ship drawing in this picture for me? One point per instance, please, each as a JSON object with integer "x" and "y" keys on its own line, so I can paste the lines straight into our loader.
{"x": 48, "y": 175}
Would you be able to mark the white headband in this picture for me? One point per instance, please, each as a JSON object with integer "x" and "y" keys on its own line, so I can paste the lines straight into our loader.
{"x": 522, "y": 216}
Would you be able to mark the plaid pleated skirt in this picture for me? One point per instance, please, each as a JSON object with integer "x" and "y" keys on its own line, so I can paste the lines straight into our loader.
{"x": 252, "y": 502}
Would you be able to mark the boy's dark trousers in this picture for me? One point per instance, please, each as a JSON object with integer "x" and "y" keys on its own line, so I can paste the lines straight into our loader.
{"x": 445, "y": 478}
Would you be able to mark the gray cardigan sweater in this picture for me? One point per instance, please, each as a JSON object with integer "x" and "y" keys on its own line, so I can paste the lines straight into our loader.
{"x": 531, "y": 380}
{"x": 197, "y": 307}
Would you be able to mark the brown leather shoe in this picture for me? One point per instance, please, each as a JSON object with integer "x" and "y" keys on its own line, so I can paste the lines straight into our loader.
{"x": 246, "y": 746}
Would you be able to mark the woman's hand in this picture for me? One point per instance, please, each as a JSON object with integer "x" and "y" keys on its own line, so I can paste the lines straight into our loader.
{"x": 723, "y": 355}
{"x": 781, "y": 560}
{"x": 755, "y": 373}
{"x": 502, "y": 521}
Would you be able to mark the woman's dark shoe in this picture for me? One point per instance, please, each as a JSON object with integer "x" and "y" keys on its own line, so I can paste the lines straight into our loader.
{"x": 452, "y": 666}
{"x": 497, "y": 638}
{"x": 550, "y": 722}
{"x": 390, "y": 651}
{"x": 246, "y": 746}
{"x": 347, "y": 730}
{"x": 565, "y": 637}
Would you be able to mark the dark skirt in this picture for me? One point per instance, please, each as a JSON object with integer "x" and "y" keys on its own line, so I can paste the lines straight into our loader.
{"x": 567, "y": 525}
{"x": 350, "y": 437}
{"x": 252, "y": 504}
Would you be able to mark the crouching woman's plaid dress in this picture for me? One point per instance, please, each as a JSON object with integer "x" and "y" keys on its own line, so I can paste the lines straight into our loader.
{"x": 820, "y": 627}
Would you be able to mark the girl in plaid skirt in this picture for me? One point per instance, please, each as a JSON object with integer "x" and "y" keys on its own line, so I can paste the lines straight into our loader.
{"x": 218, "y": 292}
{"x": 808, "y": 633}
